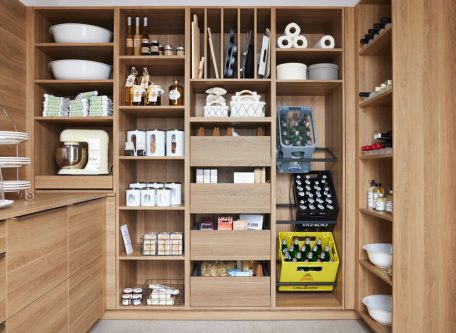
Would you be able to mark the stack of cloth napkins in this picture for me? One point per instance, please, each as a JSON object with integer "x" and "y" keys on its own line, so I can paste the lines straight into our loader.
{"x": 100, "y": 106}
{"x": 55, "y": 106}
{"x": 79, "y": 107}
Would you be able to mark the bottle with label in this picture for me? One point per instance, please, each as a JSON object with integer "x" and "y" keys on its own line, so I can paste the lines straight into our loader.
{"x": 145, "y": 45}
{"x": 137, "y": 38}
{"x": 131, "y": 79}
{"x": 370, "y": 195}
{"x": 389, "y": 202}
{"x": 138, "y": 95}
{"x": 144, "y": 80}
{"x": 129, "y": 48}
{"x": 176, "y": 94}
{"x": 299, "y": 257}
{"x": 319, "y": 247}
{"x": 378, "y": 191}
{"x": 327, "y": 254}
{"x": 380, "y": 203}
{"x": 153, "y": 94}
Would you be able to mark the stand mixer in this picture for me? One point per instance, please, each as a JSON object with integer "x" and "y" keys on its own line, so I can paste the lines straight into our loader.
{"x": 84, "y": 152}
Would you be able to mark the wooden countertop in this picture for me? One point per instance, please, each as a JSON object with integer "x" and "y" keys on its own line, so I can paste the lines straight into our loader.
{"x": 46, "y": 201}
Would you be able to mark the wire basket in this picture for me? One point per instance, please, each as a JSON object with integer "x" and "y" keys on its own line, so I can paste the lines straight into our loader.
{"x": 163, "y": 292}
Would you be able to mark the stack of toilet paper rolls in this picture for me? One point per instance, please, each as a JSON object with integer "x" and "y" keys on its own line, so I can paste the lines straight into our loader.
{"x": 292, "y": 38}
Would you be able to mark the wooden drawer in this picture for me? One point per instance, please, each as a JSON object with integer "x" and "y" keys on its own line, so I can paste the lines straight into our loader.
{"x": 73, "y": 182}
{"x": 37, "y": 259}
{"x": 230, "y": 245}
{"x": 86, "y": 297}
{"x": 2, "y": 288}
{"x": 230, "y": 151}
{"x": 230, "y": 198}
{"x": 230, "y": 291}
{"x": 47, "y": 314}
{"x": 85, "y": 223}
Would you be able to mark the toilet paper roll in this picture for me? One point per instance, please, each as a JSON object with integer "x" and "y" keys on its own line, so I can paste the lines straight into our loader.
{"x": 300, "y": 42}
{"x": 292, "y": 30}
{"x": 284, "y": 42}
{"x": 326, "y": 42}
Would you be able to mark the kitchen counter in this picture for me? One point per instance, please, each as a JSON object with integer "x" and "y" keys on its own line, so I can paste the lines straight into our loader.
{"x": 46, "y": 201}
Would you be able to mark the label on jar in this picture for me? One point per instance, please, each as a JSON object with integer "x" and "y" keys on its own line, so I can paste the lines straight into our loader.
{"x": 380, "y": 205}
{"x": 174, "y": 95}
{"x": 137, "y": 93}
{"x": 145, "y": 50}
{"x": 130, "y": 81}
{"x": 370, "y": 200}
{"x": 154, "y": 48}
{"x": 389, "y": 206}
{"x": 129, "y": 42}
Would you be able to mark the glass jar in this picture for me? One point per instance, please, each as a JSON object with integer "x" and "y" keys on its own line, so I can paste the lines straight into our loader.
{"x": 154, "y": 47}
{"x": 180, "y": 51}
{"x": 168, "y": 50}
{"x": 176, "y": 94}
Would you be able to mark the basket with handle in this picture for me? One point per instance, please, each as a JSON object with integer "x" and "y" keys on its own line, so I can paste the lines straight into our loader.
{"x": 247, "y": 103}
{"x": 215, "y": 109}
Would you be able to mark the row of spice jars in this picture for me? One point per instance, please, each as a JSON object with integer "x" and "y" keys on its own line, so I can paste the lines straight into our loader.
{"x": 168, "y": 50}
{"x": 154, "y": 194}
{"x": 140, "y": 90}
{"x": 132, "y": 296}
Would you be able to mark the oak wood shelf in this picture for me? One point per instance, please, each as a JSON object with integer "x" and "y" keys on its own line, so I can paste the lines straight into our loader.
{"x": 152, "y": 208}
{"x": 376, "y": 156}
{"x": 73, "y": 182}
{"x": 380, "y": 215}
{"x": 239, "y": 121}
{"x": 77, "y": 120}
{"x": 137, "y": 256}
{"x": 380, "y": 46}
{"x": 232, "y": 85}
{"x": 91, "y": 51}
{"x": 308, "y": 55}
{"x": 377, "y": 271}
{"x": 73, "y": 87}
{"x": 374, "y": 325}
{"x": 385, "y": 98}
{"x": 307, "y": 87}
{"x": 151, "y": 158}
{"x": 164, "y": 111}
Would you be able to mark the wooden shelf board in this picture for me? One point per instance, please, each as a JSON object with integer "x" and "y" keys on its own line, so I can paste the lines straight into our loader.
{"x": 307, "y": 87}
{"x": 383, "y": 99}
{"x": 74, "y": 87}
{"x": 376, "y": 156}
{"x": 76, "y": 120}
{"x": 74, "y": 182}
{"x": 164, "y": 111}
{"x": 175, "y": 59}
{"x": 89, "y": 51}
{"x": 151, "y": 158}
{"x": 137, "y": 256}
{"x": 309, "y": 55}
{"x": 230, "y": 120}
{"x": 374, "y": 325}
{"x": 232, "y": 85}
{"x": 307, "y": 300}
{"x": 157, "y": 65}
{"x": 151, "y": 307}
{"x": 377, "y": 271}
{"x": 380, "y": 215}
{"x": 152, "y": 208}
{"x": 379, "y": 46}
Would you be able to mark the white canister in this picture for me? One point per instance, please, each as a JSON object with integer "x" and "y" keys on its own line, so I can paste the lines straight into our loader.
{"x": 133, "y": 197}
{"x": 156, "y": 185}
{"x": 138, "y": 138}
{"x": 148, "y": 197}
{"x": 292, "y": 71}
{"x": 155, "y": 143}
{"x": 175, "y": 143}
{"x": 176, "y": 193}
{"x": 164, "y": 197}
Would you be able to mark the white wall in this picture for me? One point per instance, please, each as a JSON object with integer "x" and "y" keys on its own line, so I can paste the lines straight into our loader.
{"x": 189, "y": 3}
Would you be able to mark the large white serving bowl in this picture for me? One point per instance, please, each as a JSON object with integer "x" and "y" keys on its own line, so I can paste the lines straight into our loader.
{"x": 380, "y": 254}
{"x": 79, "y": 33}
{"x": 72, "y": 69}
{"x": 379, "y": 308}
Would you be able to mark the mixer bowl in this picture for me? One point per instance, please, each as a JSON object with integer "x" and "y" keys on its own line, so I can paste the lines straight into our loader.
{"x": 71, "y": 156}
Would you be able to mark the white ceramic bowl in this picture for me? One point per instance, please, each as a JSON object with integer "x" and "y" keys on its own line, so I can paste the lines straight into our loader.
{"x": 292, "y": 71}
{"x": 380, "y": 254}
{"x": 71, "y": 69}
{"x": 79, "y": 33}
{"x": 379, "y": 308}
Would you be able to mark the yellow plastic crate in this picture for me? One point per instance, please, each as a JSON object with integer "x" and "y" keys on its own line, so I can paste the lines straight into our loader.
{"x": 321, "y": 271}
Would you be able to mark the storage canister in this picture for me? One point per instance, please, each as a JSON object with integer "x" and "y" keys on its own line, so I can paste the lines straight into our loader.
{"x": 168, "y": 50}
{"x": 133, "y": 196}
{"x": 148, "y": 196}
{"x": 164, "y": 197}
{"x": 155, "y": 143}
{"x": 180, "y": 51}
{"x": 138, "y": 138}
{"x": 175, "y": 143}
{"x": 176, "y": 193}
{"x": 324, "y": 72}
{"x": 155, "y": 185}
{"x": 292, "y": 71}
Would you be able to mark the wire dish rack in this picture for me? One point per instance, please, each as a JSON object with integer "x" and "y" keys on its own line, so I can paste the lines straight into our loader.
{"x": 163, "y": 292}
{"x": 19, "y": 186}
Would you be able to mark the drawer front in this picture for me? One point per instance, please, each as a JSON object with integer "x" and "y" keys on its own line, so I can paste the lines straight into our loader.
{"x": 230, "y": 291}
{"x": 85, "y": 223}
{"x": 86, "y": 297}
{"x": 47, "y": 314}
{"x": 230, "y": 245}
{"x": 230, "y": 198}
{"x": 2, "y": 288}
{"x": 37, "y": 259}
{"x": 232, "y": 151}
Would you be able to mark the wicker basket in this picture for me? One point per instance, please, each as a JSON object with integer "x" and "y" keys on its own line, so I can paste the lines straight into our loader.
{"x": 215, "y": 109}
{"x": 247, "y": 103}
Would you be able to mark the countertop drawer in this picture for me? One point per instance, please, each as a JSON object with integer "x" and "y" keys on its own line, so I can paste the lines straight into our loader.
{"x": 230, "y": 150}
{"x": 230, "y": 245}
{"x": 230, "y": 291}
{"x": 37, "y": 258}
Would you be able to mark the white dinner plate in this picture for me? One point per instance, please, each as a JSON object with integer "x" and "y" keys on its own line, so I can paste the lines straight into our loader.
{"x": 6, "y": 203}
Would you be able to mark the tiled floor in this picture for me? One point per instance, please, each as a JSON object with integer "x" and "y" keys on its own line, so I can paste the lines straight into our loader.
{"x": 162, "y": 326}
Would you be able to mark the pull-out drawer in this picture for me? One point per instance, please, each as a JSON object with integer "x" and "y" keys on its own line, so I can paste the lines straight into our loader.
{"x": 37, "y": 258}
{"x": 230, "y": 291}
{"x": 230, "y": 150}
{"x": 230, "y": 198}
{"x": 230, "y": 245}
{"x": 85, "y": 233}
{"x": 49, "y": 313}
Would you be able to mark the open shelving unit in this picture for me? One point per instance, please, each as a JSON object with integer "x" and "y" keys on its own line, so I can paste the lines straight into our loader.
{"x": 374, "y": 114}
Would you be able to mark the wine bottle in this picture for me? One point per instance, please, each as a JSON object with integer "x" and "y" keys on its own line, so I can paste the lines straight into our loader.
{"x": 129, "y": 49}
{"x": 145, "y": 44}
{"x": 137, "y": 38}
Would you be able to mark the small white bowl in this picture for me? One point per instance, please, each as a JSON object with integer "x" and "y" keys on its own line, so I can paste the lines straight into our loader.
{"x": 292, "y": 71}
{"x": 379, "y": 308}
{"x": 72, "y": 69}
{"x": 380, "y": 254}
{"x": 79, "y": 33}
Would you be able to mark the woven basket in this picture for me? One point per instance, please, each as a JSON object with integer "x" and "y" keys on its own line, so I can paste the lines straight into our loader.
{"x": 247, "y": 103}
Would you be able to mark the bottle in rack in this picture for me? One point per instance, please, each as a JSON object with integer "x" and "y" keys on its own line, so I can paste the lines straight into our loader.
{"x": 176, "y": 94}
{"x": 137, "y": 38}
{"x": 129, "y": 48}
{"x": 145, "y": 44}
{"x": 131, "y": 80}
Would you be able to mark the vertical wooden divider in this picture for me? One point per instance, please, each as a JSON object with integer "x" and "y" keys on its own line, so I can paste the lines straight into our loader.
{"x": 255, "y": 44}
{"x": 30, "y": 114}
{"x": 238, "y": 41}
{"x": 222, "y": 42}
{"x": 206, "y": 58}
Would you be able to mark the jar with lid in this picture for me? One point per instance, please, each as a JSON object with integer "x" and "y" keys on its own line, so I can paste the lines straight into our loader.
{"x": 168, "y": 50}
{"x": 153, "y": 94}
{"x": 161, "y": 49}
{"x": 154, "y": 47}
{"x": 180, "y": 51}
{"x": 126, "y": 299}
{"x": 176, "y": 94}
{"x": 130, "y": 82}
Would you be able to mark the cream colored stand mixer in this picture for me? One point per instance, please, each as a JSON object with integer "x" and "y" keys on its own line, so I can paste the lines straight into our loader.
{"x": 84, "y": 152}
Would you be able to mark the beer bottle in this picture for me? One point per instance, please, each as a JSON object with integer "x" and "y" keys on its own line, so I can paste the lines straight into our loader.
{"x": 291, "y": 250}
{"x": 299, "y": 257}
{"x": 310, "y": 257}
{"x": 296, "y": 246}
{"x": 327, "y": 254}
{"x": 323, "y": 257}
{"x": 294, "y": 260}
{"x": 287, "y": 257}
{"x": 284, "y": 245}
{"x": 319, "y": 248}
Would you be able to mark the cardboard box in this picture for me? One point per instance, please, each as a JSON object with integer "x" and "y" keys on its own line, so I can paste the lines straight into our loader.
{"x": 244, "y": 178}
{"x": 207, "y": 176}
{"x": 199, "y": 176}
{"x": 213, "y": 176}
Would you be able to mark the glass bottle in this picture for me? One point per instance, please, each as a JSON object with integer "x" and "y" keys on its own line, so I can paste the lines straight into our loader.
{"x": 378, "y": 191}
{"x": 129, "y": 48}
{"x": 319, "y": 247}
{"x": 380, "y": 203}
{"x": 153, "y": 94}
{"x": 284, "y": 245}
{"x": 370, "y": 195}
{"x": 131, "y": 79}
{"x": 137, "y": 38}
{"x": 176, "y": 94}
{"x": 144, "y": 80}
{"x": 389, "y": 202}
{"x": 145, "y": 45}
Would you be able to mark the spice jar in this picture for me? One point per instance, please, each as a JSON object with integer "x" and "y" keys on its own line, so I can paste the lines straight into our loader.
{"x": 126, "y": 299}
{"x": 153, "y": 94}
{"x": 161, "y": 49}
{"x": 180, "y": 51}
{"x": 176, "y": 94}
{"x": 154, "y": 47}
{"x": 168, "y": 50}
